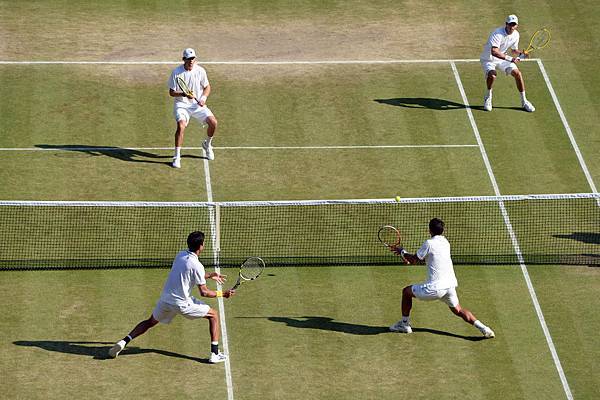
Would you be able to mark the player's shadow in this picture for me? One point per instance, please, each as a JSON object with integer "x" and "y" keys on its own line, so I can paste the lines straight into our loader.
{"x": 433, "y": 104}
{"x": 422, "y": 102}
{"x": 454, "y": 335}
{"x": 329, "y": 324}
{"x": 119, "y": 153}
{"x": 584, "y": 237}
{"x": 97, "y": 350}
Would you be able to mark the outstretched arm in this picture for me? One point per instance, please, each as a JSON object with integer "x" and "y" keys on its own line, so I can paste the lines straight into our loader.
{"x": 206, "y": 292}
{"x": 406, "y": 256}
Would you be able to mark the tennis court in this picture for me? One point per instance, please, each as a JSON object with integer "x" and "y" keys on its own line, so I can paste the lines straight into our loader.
{"x": 357, "y": 115}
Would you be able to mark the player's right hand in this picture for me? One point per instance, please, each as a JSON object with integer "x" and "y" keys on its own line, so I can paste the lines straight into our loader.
{"x": 228, "y": 293}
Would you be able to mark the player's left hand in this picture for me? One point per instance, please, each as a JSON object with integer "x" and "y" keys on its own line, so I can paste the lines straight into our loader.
{"x": 217, "y": 277}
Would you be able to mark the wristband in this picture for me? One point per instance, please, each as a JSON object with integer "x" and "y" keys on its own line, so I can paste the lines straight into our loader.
{"x": 508, "y": 58}
{"x": 219, "y": 293}
{"x": 203, "y": 98}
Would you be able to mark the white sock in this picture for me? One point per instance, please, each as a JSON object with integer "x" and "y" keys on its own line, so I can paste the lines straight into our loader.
{"x": 523, "y": 98}
{"x": 488, "y": 93}
{"x": 209, "y": 140}
{"x": 479, "y": 325}
{"x": 406, "y": 320}
{"x": 177, "y": 152}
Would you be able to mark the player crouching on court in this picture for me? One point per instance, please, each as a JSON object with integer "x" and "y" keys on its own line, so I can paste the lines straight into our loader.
{"x": 188, "y": 105}
{"x": 441, "y": 282}
{"x": 499, "y": 51}
{"x": 187, "y": 271}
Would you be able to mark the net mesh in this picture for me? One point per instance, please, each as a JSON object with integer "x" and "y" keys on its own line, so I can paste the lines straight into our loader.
{"x": 549, "y": 229}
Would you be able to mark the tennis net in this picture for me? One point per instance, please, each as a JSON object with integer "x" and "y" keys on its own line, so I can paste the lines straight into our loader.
{"x": 534, "y": 229}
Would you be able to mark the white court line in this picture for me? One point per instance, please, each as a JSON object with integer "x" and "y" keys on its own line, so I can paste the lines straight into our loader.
{"x": 215, "y": 240}
{"x": 92, "y": 148}
{"x": 563, "y": 118}
{"x": 282, "y": 62}
{"x": 515, "y": 243}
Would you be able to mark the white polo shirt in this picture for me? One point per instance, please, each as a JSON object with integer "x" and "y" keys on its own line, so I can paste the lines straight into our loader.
{"x": 187, "y": 271}
{"x": 196, "y": 79}
{"x": 503, "y": 41}
{"x": 440, "y": 271}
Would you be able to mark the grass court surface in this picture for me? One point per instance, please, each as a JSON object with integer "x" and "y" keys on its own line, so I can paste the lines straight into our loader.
{"x": 294, "y": 132}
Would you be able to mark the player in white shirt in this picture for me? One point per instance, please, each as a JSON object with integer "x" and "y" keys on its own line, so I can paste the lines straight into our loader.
{"x": 186, "y": 107}
{"x": 441, "y": 282}
{"x": 501, "y": 51}
{"x": 187, "y": 271}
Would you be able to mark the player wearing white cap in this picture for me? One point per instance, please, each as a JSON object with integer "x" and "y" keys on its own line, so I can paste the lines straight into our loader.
{"x": 186, "y": 106}
{"x": 501, "y": 51}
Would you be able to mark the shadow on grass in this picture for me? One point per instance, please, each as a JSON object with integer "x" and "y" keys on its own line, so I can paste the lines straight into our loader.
{"x": 329, "y": 324}
{"x": 584, "y": 237}
{"x": 97, "y": 350}
{"x": 422, "y": 102}
{"x": 119, "y": 153}
{"x": 454, "y": 335}
{"x": 433, "y": 104}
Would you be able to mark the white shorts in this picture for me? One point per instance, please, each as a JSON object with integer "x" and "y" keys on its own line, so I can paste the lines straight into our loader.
{"x": 423, "y": 292}
{"x": 503, "y": 65}
{"x": 183, "y": 113}
{"x": 165, "y": 312}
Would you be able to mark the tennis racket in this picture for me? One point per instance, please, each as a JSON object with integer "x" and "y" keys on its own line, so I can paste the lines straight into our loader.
{"x": 185, "y": 88}
{"x": 389, "y": 236}
{"x": 539, "y": 40}
{"x": 249, "y": 270}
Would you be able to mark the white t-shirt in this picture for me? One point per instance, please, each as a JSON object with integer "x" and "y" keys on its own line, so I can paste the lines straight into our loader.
{"x": 440, "y": 271}
{"x": 196, "y": 79}
{"x": 502, "y": 40}
{"x": 187, "y": 271}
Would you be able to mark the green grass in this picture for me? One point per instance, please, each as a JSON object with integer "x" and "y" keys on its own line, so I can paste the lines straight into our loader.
{"x": 58, "y": 325}
{"x": 317, "y": 332}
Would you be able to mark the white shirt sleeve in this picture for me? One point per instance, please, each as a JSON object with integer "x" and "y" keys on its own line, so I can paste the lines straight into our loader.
{"x": 172, "y": 83}
{"x": 495, "y": 39}
{"x": 198, "y": 275}
{"x": 423, "y": 251}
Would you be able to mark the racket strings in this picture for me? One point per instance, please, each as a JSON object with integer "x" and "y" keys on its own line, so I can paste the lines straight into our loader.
{"x": 251, "y": 269}
{"x": 540, "y": 39}
{"x": 183, "y": 85}
{"x": 389, "y": 236}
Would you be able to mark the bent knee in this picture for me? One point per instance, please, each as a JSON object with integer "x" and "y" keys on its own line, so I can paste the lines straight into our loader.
{"x": 407, "y": 291}
{"x": 212, "y": 122}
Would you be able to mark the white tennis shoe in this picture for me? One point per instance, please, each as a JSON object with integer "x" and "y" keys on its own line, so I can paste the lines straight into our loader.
{"x": 527, "y": 106}
{"x": 208, "y": 150}
{"x": 217, "y": 358}
{"x": 488, "y": 332}
{"x": 176, "y": 162}
{"x": 401, "y": 327}
{"x": 487, "y": 103}
{"x": 116, "y": 349}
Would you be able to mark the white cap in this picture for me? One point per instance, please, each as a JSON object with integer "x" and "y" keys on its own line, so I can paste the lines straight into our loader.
{"x": 189, "y": 53}
{"x": 512, "y": 18}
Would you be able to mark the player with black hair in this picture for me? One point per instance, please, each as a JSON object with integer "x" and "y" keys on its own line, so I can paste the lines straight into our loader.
{"x": 187, "y": 271}
{"x": 441, "y": 283}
